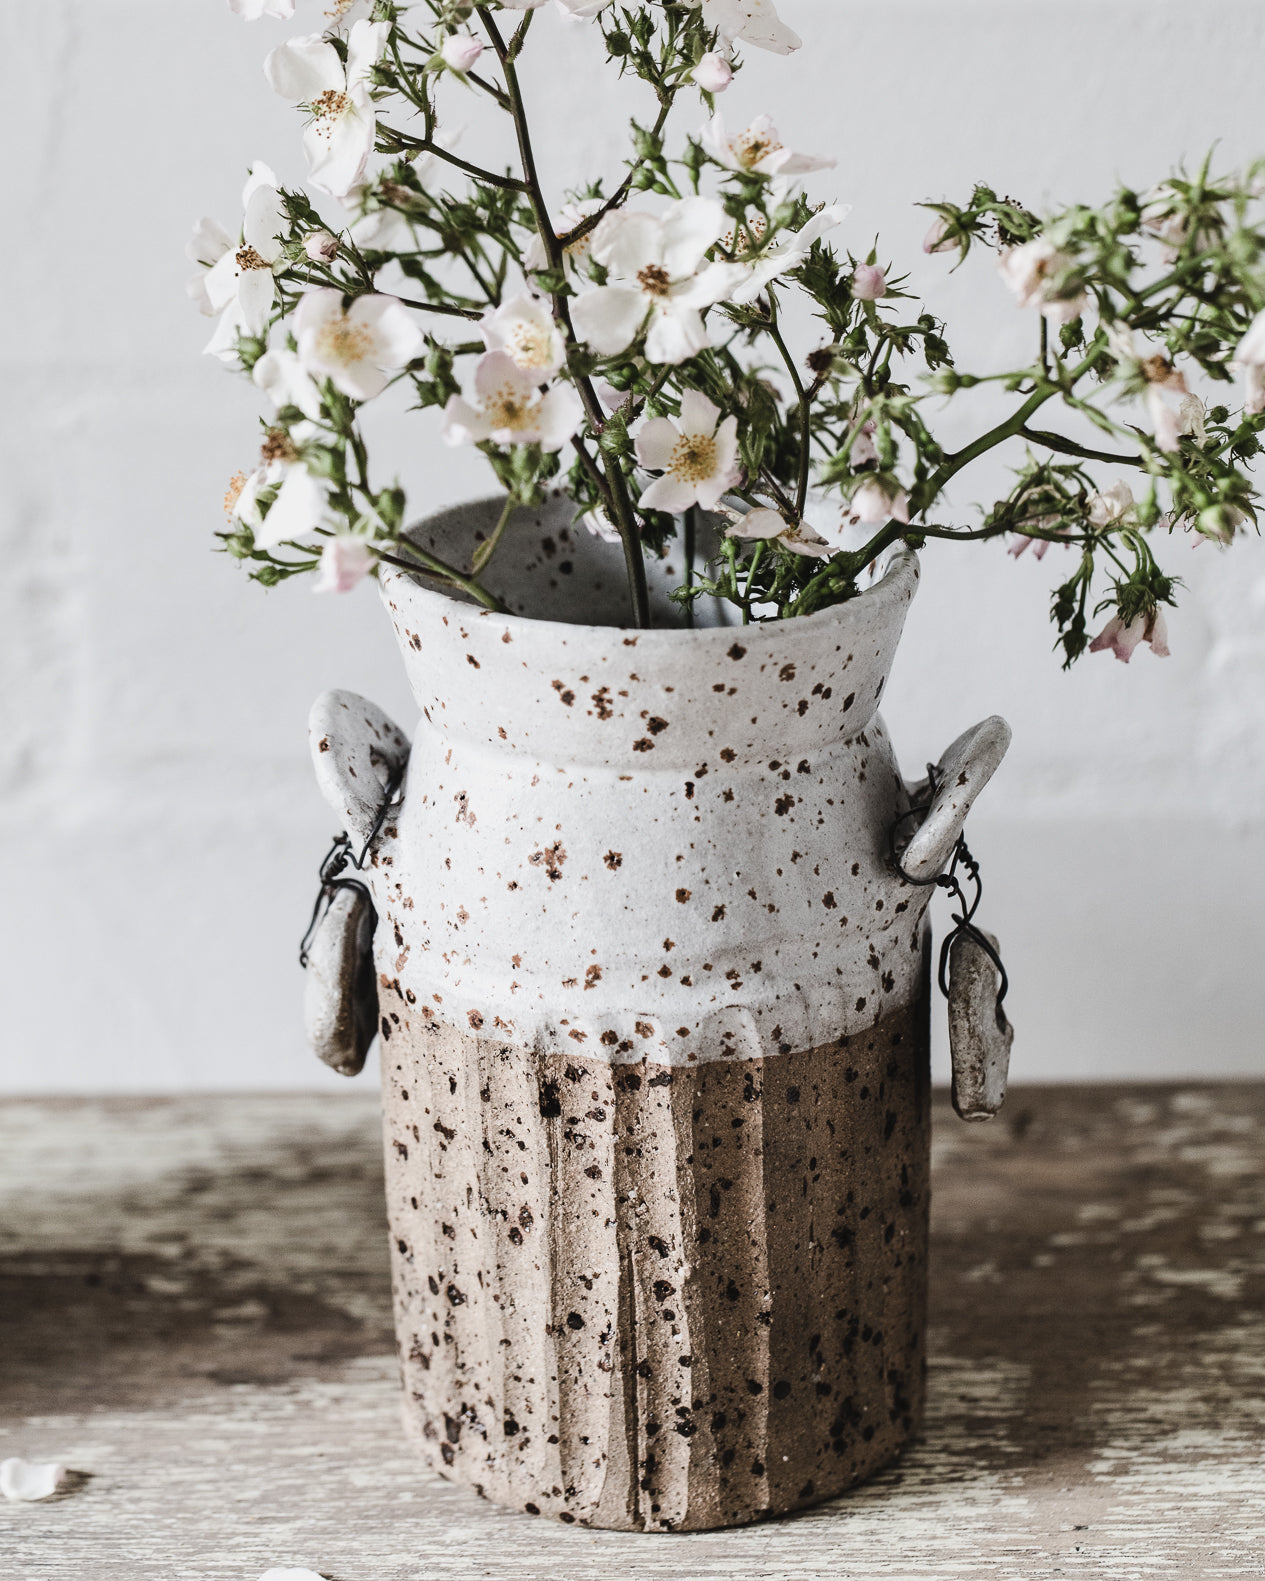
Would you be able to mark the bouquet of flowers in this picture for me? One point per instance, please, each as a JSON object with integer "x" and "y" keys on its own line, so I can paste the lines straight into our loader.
{"x": 694, "y": 337}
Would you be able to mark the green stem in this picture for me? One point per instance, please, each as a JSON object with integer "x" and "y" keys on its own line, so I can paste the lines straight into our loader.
{"x": 690, "y": 546}
{"x": 488, "y": 548}
{"x": 430, "y": 563}
{"x": 805, "y": 416}
{"x": 624, "y": 518}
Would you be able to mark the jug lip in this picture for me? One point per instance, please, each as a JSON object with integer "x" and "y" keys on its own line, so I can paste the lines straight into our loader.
{"x": 898, "y": 581}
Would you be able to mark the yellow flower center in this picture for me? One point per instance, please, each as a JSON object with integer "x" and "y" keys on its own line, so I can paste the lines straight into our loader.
{"x": 509, "y": 408}
{"x": 277, "y": 446}
{"x": 248, "y": 258}
{"x": 529, "y": 345}
{"x": 693, "y": 458}
{"x": 330, "y": 105}
{"x": 344, "y": 342}
{"x": 339, "y": 9}
{"x": 654, "y": 281}
{"x": 234, "y": 491}
{"x": 749, "y": 149}
{"x": 737, "y": 245}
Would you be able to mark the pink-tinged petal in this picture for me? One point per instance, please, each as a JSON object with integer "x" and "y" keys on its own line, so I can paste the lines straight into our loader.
{"x": 608, "y": 319}
{"x": 338, "y": 149}
{"x": 758, "y": 523}
{"x": 365, "y": 44}
{"x": 345, "y": 561}
{"x": 209, "y": 242}
{"x": 1157, "y": 635}
{"x": 1119, "y": 638}
{"x": 668, "y": 494}
{"x": 560, "y": 413}
{"x": 298, "y": 509}
{"x": 869, "y": 282}
{"x": 256, "y": 292}
{"x": 698, "y": 414}
{"x": 814, "y": 547}
{"x": 676, "y": 334}
{"x": 496, "y": 374}
{"x": 713, "y": 74}
{"x": 687, "y": 230}
{"x": 656, "y": 443}
{"x": 252, "y": 10}
{"x": 363, "y": 381}
{"x": 787, "y": 163}
{"x": 397, "y": 338}
{"x": 936, "y": 240}
{"x": 628, "y": 241}
{"x": 463, "y": 425}
{"x": 460, "y": 52}
{"x": 304, "y": 68}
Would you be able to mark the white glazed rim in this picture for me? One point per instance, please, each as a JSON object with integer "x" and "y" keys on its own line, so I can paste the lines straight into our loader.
{"x": 901, "y": 576}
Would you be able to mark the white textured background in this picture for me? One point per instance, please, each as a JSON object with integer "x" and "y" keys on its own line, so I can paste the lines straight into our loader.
{"x": 158, "y": 818}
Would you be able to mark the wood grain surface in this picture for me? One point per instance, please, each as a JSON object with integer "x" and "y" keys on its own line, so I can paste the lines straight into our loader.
{"x": 195, "y": 1315}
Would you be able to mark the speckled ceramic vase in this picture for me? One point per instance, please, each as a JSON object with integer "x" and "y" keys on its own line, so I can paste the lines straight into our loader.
{"x": 653, "y": 1011}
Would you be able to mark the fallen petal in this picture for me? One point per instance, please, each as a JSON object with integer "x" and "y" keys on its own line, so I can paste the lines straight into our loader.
{"x": 30, "y": 1480}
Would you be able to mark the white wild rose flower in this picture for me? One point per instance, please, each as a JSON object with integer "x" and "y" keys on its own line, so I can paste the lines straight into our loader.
{"x": 765, "y": 523}
{"x": 659, "y": 281}
{"x": 357, "y": 348}
{"x": 753, "y": 21}
{"x": 526, "y": 330}
{"x": 575, "y": 258}
{"x": 511, "y": 408}
{"x": 308, "y": 71}
{"x": 302, "y": 501}
{"x": 696, "y": 453}
{"x": 240, "y": 284}
{"x": 1033, "y": 270}
{"x": 787, "y": 253}
{"x": 758, "y": 151}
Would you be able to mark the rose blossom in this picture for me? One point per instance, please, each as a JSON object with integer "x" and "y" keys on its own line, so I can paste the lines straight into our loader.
{"x": 765, "y": 523}
{"x": 1122, "y": 639}
{"x": 309, "y": 71}
{"x": 758, "y": 151}
{"x": 511, "y": 409}
{"x": 696, "y": 452}
{"x": 357, "y": 347}
{"x": 1032, "y": 270}
{"x": 879, "y": 500}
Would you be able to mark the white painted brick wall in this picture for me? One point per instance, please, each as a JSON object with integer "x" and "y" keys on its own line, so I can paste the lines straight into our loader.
{"x": 158, "y": 818}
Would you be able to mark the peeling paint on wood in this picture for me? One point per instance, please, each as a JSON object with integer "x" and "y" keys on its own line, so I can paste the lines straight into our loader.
{"x": 196, "y": 1317}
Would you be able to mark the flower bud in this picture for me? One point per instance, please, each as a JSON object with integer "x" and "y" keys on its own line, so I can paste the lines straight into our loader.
{"x": 713, "y": 74}
{"x": 460, "y": 51}
{"x": 869, "y": 282}
{"x": 937, "y": 240}
{"x": 320, "y": 246}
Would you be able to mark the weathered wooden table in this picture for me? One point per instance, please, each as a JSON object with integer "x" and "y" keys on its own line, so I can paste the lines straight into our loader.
{"x": 194, "y": 1314}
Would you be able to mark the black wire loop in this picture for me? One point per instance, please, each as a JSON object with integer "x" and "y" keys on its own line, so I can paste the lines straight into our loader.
{"x": 949, "y": 880}
{"x": 339, "y": 857}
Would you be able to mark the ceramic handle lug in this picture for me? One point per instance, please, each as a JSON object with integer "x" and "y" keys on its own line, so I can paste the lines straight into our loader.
{"x": 963, "y": 771}
{"x": 355, "y": 750}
